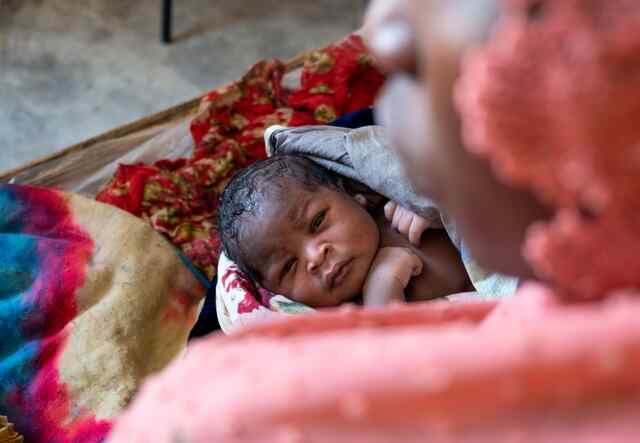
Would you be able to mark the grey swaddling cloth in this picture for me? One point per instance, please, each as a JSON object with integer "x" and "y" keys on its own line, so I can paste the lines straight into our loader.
{"x": 365, "y": 156}
{"x": 359, "y": 154}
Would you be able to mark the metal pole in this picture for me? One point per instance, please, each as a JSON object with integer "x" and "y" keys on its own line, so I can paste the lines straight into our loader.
{"x": 167, "y": 13}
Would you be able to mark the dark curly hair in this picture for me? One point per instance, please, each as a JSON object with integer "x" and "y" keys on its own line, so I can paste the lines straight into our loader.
{"x": 251, "y": 187}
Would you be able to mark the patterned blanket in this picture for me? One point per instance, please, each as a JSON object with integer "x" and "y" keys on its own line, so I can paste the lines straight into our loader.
{"x": 180, "y": 198}
{"x": 83, "y": 319}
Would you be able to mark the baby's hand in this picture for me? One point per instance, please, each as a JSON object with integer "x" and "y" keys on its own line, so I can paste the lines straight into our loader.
{"x": 389, "y": 275}
{"x": 405, "y": 221}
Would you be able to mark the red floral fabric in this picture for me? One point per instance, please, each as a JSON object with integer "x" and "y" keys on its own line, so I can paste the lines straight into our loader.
{"x": 179, "y": 198}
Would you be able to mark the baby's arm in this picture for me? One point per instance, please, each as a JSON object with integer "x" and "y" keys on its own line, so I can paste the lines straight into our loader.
{"x": 390, "y": 273}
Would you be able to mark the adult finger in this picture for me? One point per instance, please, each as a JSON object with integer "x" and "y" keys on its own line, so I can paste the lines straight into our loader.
{"x": 389, "y": 34}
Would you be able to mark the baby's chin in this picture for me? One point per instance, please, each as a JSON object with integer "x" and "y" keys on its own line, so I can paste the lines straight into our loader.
{"x": 360, "y": 272}
{"x": 348, "y": 298}
{"x": 356, "y": 299}
{"x": 335, "y": 299}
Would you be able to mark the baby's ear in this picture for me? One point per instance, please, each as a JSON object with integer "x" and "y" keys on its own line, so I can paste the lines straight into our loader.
{"x": 362, "y": 200}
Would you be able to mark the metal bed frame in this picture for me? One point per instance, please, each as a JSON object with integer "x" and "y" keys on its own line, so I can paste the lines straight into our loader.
{"x": 167, "y": 20}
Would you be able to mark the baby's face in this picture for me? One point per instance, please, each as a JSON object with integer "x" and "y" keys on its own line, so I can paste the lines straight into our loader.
{"x": 314, "y": 247}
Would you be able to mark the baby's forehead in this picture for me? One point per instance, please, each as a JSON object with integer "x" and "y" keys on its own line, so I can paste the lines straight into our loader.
{"x": 265, "y": 234}
{"x": 279, "y": 201}
{"x": 275, "y": 214}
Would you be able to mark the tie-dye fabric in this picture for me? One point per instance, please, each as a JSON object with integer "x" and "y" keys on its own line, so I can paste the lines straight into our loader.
{"x": 83, "y": 318}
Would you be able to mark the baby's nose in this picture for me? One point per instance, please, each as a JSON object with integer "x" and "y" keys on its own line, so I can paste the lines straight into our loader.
{"x": 316, "y": 255}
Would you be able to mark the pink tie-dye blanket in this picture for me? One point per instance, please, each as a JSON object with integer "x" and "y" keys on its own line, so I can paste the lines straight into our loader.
{"x": 83, "y": 318}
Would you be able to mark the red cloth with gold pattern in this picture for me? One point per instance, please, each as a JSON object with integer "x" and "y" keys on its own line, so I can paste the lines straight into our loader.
{"x": 179, "y": 198}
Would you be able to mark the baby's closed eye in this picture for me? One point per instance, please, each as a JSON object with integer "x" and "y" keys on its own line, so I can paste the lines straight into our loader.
{"x": 288, "y": 267}
{"x": 317, "y": 221}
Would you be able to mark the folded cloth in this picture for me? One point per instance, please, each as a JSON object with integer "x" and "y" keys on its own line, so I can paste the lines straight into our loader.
{"x": 356, "y": 119}
{"x": 362, "y": 154}
{"x": 92, "y": 301}
{"x": 7, "y": 432}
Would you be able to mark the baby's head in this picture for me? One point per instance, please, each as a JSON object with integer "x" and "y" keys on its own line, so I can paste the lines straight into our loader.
{"x": 290, "y": 226}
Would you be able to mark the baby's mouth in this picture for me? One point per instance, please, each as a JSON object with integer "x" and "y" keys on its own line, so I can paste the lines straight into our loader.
{"x": 338, "y": 273}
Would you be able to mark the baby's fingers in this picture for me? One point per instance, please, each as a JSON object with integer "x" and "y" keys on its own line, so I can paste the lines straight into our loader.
{"x": 417, "y": 228}
{"x": 390, "y": 209}
{"x": 404, "y": 220}
{"x": 398, "y": 215}
{"x": 416, "y": 265}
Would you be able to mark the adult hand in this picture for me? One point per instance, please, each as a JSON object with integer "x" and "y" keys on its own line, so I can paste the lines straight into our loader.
{"x": 421, "y": 43}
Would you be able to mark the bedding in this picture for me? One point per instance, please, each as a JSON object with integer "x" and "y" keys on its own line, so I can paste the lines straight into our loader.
{"x": 179, "y": 197}
{"x": 523, "y": 371}
{"x": 87, "y": 318}
{"x": 84, "y": 319}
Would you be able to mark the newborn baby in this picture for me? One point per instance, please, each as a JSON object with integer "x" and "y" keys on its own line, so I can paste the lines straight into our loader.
{"x": 295, "y": 229}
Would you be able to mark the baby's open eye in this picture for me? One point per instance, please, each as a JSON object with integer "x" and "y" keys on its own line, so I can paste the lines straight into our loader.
{"x": 317, "y": 221}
